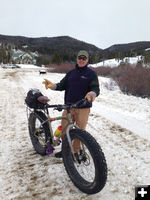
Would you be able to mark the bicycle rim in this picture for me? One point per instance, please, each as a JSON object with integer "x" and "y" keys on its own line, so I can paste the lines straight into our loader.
{"x": 85, "y": 165}
{"x": 89, "y": 174}
{"x": 40, "y": 133}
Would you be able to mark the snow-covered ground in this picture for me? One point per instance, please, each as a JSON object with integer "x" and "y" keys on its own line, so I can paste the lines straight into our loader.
{"x": 115, "y": 62}
{"x": 28, "y": 66}
{"x": 120, "y": 124}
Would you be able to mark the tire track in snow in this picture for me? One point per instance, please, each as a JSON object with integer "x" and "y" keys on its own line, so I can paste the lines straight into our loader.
{"x": 126, "y": 153}
{"x": 125, "y": 120}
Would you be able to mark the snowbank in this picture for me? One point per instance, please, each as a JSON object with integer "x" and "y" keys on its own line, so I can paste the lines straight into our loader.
{"x": 115, "y": 62}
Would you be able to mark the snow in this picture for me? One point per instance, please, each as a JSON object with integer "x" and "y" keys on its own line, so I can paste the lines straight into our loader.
{"x": 147, "y": 49}
{"x": 29, "y": 66}
{"x": 120, "y": 124}
{"x": 110, "y": 62}
{"x": 115, "y": 62}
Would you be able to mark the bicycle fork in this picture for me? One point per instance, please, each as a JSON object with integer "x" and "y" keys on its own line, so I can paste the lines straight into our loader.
{"x": 69, "y": 139}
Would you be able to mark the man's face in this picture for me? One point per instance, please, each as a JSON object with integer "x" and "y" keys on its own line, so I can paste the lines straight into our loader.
{"x": 82, "y": 61}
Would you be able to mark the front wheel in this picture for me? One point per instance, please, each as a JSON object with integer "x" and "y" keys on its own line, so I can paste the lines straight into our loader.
{"x": 88, "y": 171}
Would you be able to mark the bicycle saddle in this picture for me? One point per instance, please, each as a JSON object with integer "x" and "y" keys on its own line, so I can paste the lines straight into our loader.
{"x": 43, "y": 99}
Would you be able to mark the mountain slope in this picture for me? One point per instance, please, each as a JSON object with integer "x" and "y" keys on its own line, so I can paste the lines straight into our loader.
{"x": 62, "y": 43}
{"x": 135, "y": 46}
{"x": 50, "y": 44}
{"x": 65, "y": 48}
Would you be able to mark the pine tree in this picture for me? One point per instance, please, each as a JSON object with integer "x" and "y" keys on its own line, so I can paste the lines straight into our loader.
{"x": 147, "y": 57}
{"x": 56, "y": 58}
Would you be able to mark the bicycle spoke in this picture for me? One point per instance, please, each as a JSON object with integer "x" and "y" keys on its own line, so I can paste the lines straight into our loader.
{"x": 39, "y": 132}
{"x": 85, "y": 165}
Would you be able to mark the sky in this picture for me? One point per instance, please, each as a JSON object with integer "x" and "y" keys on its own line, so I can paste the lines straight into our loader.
{"x": 99, "y": 22}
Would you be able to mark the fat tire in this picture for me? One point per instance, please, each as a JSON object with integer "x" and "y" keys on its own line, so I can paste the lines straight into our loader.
{"x": 31, "y": 126}
{"x": 98, "y": 159}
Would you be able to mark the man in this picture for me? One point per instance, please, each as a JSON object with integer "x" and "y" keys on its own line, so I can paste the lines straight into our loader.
{"x": 81, "y": 82}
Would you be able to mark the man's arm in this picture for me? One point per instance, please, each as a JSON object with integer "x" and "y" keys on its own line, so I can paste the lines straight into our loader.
{"x": 94, "y": 85}
{"x": 58, "y": 86}
{"x": 62, "y": 84}
{"x": 93, "y": 88}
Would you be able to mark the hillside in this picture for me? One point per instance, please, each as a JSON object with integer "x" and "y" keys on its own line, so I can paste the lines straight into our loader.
{"x": 49, "y": 45}
{"x": 68, "y": 43}
{"x": 135, "y": 46}
{"x": 65, "y": 48}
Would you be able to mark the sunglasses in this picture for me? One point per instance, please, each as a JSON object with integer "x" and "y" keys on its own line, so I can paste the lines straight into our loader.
{"x": 82, "y": 58}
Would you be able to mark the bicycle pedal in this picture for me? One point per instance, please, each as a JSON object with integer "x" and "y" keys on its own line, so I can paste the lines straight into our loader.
{"x": 50, "y": 150}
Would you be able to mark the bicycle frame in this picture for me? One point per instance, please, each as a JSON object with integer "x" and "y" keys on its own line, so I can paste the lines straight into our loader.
{"x": 70, "y": 125}
{"x": 67, "y": 128}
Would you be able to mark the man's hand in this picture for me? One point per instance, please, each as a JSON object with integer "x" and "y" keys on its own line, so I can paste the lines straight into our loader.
{"x": 48, "y": 84}
{"x": 90, "y": 96}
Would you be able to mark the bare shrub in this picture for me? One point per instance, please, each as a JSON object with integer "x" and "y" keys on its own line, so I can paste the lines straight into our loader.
{"x": 133, "y": 80}
{"x": 103, "y": 71}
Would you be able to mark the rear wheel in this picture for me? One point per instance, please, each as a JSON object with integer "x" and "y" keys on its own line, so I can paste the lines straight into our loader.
{"x": 89, "y": 171}
{"x": 39, "y": 133}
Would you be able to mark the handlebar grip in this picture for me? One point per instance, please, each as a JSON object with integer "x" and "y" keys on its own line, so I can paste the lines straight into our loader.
{"x": 60, "y": 107}
{"x": 81, "y": 103}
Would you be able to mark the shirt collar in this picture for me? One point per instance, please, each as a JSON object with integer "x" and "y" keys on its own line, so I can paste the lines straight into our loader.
{"x": 80, "y": 68}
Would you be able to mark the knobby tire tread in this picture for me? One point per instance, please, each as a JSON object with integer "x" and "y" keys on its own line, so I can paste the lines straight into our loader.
{"x": 98, "y": 158}
{"x": 42, "y": 117}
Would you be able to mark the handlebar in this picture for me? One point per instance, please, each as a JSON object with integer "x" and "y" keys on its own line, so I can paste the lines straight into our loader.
{"x": 61, "y": 107}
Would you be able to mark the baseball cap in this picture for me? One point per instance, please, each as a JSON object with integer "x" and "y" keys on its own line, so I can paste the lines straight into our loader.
{"x": 83, "y": 53}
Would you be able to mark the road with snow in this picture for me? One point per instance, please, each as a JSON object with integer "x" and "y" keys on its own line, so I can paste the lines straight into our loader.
{"x": 120, "y": 124}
